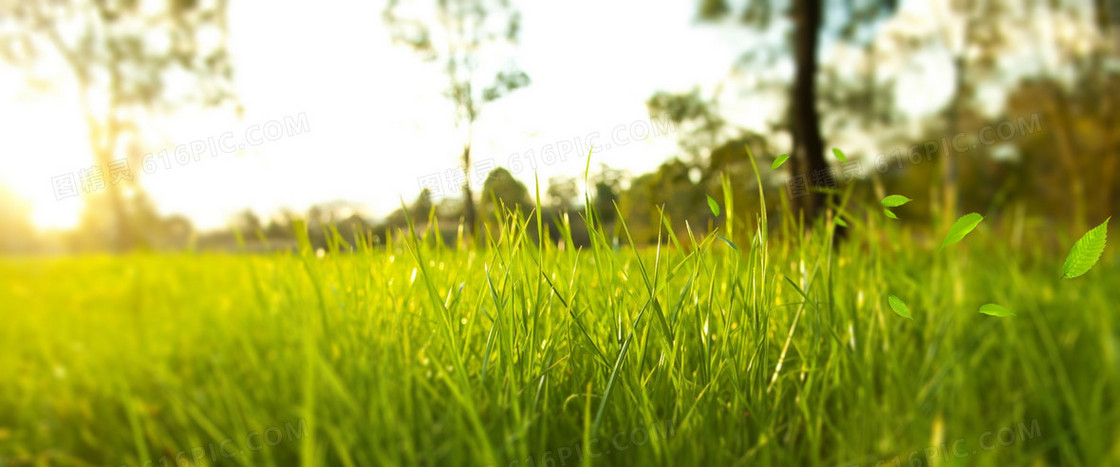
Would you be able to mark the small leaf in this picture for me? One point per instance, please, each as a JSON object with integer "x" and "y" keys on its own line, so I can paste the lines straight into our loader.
{"x": 889, "y": 214}
{"x": 960, "y": 228}
{"x": 840, "y": 221}
{"x": 894, "y": 201}
{"x": 728, "y": 242}
{"x": 1086, "y": 252}
{"x": 779, "y": 161}
{"x": 840, "y": 154}
{"x": 713, "y": 206}
{"x": 899, "y": 306}
{"x": 995, "y": 310}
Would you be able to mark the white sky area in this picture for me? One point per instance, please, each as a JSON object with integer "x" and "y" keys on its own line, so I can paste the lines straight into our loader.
{"x": 378, "y": 121}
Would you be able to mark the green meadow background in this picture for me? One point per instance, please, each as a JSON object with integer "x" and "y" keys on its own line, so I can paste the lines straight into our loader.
{"x": 742, "y": 347}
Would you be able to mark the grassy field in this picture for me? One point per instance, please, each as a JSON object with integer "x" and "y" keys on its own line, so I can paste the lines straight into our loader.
{"x": 773, "y": 350}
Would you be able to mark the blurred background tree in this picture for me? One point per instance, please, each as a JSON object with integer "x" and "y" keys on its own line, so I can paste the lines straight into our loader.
{"x": 472, "y": 41}
{"x": 121, "y": 56}
{"x": 807, "y": 21}
{"x": 840, "y": 72}
{"x": 563, "y": 193}
{"x": 16, "y": 231}
{"x": 502, "y": 191}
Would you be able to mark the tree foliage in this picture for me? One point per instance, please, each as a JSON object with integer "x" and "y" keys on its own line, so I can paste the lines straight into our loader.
{"x": 472, "y": 42}
{"x": 128, "y": 60}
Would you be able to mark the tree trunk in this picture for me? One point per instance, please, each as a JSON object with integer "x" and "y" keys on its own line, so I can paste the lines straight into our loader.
{"x": 469, "y": 212}
{"x": 1063, "y": 137}
{"x": 1102, "y": 16}
{"x": 103, "y": 142}
{"x": 808, "y": 146}
{"x": 1112, "y": 151}
{"x": 948, "y": 164}
{"x": 1108, "y": 85}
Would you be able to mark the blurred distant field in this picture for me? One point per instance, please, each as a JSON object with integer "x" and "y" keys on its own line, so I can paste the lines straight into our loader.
{"x": 774, "y": 351}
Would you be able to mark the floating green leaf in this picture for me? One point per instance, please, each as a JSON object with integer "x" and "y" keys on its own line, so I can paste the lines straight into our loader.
{"x": 713, "y": 206}
{"x": 890, "y": 214}
{"x": 1086, "y": 252}
{"x": 840, "y": 222}
{"x": 779, "y": 161}
{"x": 960, "y": 228}
{"x": 995, "y": 310}
{"x": 899, "y": 306}
{"x": 894, "y": 201}
{"x": 840, "y": 154}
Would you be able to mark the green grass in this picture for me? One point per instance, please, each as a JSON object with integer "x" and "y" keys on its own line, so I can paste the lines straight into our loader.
{"x": 729, "y": 350}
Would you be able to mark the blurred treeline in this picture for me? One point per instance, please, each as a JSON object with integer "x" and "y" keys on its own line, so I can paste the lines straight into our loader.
{"x": 1046, "y": 148}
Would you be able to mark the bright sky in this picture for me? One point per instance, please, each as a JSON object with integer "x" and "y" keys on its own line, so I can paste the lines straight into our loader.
{"x": 377, "y": 123}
